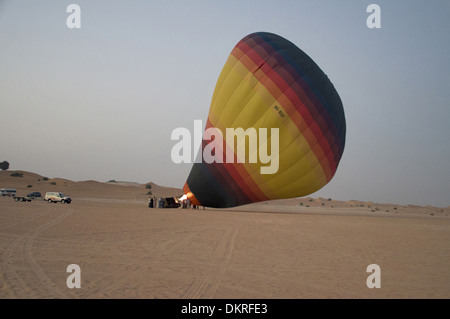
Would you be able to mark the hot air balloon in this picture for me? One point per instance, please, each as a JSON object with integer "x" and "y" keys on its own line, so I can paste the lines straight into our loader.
{"x": 268, "y": 83}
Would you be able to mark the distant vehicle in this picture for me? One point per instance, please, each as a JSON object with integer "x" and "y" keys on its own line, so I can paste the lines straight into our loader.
{"x": 10, "y": 192}
{"x": 22, "y": 199}
{"x": 34, "y": 195}
{"x": 54, "y": 197}
{"x": 170, "y": 202}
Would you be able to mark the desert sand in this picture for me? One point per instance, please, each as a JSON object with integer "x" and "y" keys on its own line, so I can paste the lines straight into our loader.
{"x": 291, "y": 249}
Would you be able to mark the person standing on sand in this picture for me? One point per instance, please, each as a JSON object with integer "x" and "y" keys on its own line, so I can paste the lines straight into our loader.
{"x": 150, "y": 202}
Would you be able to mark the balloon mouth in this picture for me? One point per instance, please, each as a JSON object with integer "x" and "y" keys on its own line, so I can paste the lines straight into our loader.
{"x": 189, "y": 195}
{"x": 193, "y": 199}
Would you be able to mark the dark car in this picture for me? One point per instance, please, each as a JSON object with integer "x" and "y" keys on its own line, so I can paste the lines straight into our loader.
{"x": 34, "y": 195}
{"x": 171, "y": 203}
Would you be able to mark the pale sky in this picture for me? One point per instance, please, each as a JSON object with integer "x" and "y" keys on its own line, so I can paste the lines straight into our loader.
{"x": 101, "y": 102}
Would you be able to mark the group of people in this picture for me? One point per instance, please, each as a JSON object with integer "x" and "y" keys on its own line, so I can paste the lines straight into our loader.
{"x": 186, "y": 204}
{"x": 160, "y": 202}
{"x": 153, "y": 202}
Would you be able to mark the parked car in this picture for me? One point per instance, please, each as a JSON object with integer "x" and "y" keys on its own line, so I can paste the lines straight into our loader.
{"x": 10, "y": 192}
{"x": 34, "y": 195}
{"x": 54, "y": 197}
{"x": 170, "y": 202}
{"x": 22, "y": 199}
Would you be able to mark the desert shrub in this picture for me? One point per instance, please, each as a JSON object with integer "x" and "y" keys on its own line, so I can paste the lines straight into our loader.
{"x": 29, "y": 186}
{"x": 148, "y": 186}
{"x": 112, "y": 181}
{"x": 53, "y": 183}
{"x": 4, "y": 165}
{"x": 45, "y": 179}
{"x": 15, "y": 174}
{"x": 149, "y": 193}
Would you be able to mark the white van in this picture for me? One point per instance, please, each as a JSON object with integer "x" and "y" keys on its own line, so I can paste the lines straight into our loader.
{"x": 10, "y": 192}
{"x": 53, "y": 197}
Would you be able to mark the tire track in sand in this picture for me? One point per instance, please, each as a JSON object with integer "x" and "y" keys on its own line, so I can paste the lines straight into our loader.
{"x": 27, "y": 220}
{"x": 132, "y": 269}
{"x": 18, "y": 257}
{"x": 206, "y": 286}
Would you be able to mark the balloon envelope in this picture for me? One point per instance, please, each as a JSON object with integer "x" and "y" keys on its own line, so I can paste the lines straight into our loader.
{"x": 269, "y": 83}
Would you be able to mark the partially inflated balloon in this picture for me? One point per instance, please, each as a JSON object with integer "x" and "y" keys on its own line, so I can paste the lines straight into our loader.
{"x": 270, "y": 87}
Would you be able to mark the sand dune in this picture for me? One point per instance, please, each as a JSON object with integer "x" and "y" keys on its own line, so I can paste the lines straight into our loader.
{"x": 297, "y": 248}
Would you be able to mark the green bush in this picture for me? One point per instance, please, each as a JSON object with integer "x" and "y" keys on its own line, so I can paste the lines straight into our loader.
{"x": 4, "y": 165}
{"x": 15, "y": 174}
